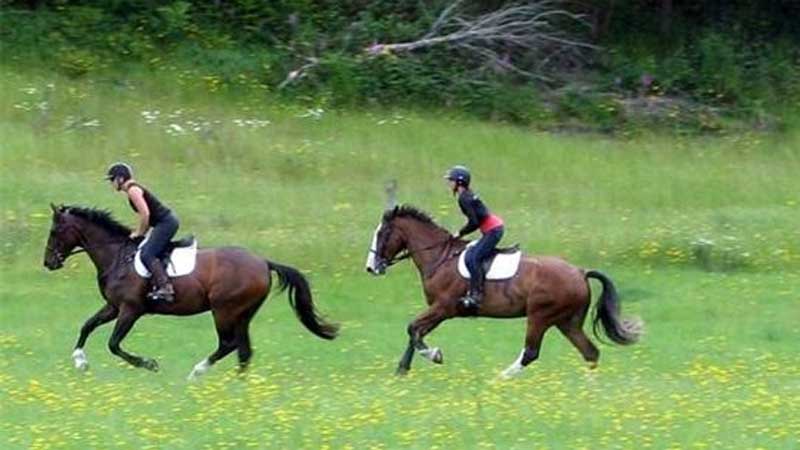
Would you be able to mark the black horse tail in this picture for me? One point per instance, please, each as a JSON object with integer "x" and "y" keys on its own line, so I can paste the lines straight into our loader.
{"x": 606, "y": 312}
{"x": 300, "y": 299}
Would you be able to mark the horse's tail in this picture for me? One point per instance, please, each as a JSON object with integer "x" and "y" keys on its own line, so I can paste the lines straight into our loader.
{"x": 606, "y": 312}
{"x": 300, "y": 299}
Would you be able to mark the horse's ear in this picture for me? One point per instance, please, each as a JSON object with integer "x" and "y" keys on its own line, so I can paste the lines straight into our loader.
{"x": 396, "y": 208}
{"x": 53, "y": 207}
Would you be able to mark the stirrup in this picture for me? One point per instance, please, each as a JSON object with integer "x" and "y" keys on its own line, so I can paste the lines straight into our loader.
{"x": 469, "y": 302}
{"x": 162, "y": 294}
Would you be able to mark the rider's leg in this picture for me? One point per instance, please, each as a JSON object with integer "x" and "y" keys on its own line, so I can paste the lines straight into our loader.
{"x": 159, "y": 238}
{"x": 474, "y": 266}
{"x": 480, "y": 252}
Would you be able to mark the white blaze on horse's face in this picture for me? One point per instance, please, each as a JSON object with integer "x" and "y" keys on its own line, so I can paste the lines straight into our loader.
{"x": 373, "y": 251}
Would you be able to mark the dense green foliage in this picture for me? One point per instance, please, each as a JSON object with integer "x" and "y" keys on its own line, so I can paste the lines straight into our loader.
{"x": 700, "y": 235}
{"x": 708, "y": 61}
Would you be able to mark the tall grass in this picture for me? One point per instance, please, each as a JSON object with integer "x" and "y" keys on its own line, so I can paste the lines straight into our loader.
{"x": 232, "y": 163}
{"x": 717, "y": 368}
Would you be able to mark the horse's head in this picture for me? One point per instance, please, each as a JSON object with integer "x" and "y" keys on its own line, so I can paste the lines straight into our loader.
{"x": 404, "y": 228}
{"x": 64, "y": 237}
{"x": 387, "y": 242}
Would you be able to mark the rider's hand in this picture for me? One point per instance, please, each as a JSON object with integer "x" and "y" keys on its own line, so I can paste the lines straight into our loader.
{"x": 135, "y": 235}
{"x": 455, "y": 236}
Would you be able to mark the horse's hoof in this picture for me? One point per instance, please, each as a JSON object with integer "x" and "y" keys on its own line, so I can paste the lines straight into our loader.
{"x": 150, "y": 364}
{"x": 199, "y": 369}
{"x": 401, "y": 371}
{"x": 510, "y": 373}
{"x": 79, "y": 357}
{"x": 437, "y": 357}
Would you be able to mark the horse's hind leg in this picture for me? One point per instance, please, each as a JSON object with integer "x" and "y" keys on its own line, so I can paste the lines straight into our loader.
{"x": 106, "y": 314}
{"x": 244, "y": 351}
{"x": 128, "y": 315}
{"x": 573, "y": 330}
{"x": 227, "y": 342}
{"x": 533, "y": 342}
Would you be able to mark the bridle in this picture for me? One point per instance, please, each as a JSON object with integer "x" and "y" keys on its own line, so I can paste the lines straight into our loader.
{"x": 406, "y": 253}
{"x": 81, "y": 247}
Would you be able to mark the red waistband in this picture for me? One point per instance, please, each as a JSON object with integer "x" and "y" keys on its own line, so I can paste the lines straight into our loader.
{"x": 490, "y": 223}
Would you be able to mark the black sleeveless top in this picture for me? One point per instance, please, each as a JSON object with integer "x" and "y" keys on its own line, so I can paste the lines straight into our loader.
{"x": 158, "y": 211}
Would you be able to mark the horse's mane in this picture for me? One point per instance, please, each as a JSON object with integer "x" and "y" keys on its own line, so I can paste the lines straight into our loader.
{"x": 409, "y": 211}
{"x": 99, "y": 217}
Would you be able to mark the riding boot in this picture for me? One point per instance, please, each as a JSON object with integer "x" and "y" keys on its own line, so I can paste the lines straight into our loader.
{"x": 163, "y": 288}
{"x": 472, "y": 301}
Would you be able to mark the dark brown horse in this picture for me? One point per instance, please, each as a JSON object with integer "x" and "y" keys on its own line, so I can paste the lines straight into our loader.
{"x": 546, "y": 290}
{"x": 229, "y": 281}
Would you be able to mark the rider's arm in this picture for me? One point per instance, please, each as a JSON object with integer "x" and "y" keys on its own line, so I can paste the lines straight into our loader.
{"x": 136, "y": 195}
{"x": 467, "y": 205}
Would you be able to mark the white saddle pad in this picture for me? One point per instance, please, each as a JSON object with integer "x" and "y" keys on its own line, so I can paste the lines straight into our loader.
{"x": 504, "y": 265}
{"x": 181, "y": 261}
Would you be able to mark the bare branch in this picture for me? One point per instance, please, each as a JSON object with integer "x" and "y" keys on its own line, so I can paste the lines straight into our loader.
{"x": 442, "y": 18}
{"x": 300, "y": 72}
{"x": 523, "y": 32}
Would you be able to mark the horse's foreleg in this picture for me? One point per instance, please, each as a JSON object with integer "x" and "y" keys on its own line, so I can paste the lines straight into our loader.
{"x": 128, "y": 315}
{"x": 106, "y": 314}
{"x": 405, "y": 361}
{"x": 434, "y": 354}
{"x": 417, "y": 330}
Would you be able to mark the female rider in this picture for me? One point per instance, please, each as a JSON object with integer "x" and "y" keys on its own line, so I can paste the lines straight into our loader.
{"x": 153, "y": 216}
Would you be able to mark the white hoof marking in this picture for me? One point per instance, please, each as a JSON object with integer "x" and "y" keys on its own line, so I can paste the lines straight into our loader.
{"x": 434, "y": 354}
{"x": 515, "y": 368}
{"x": 199, "y": 369}
{"x": 79, "y": 357}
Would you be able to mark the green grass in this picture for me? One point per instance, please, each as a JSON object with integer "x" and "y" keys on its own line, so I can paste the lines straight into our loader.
{"x": 716, "y": 369}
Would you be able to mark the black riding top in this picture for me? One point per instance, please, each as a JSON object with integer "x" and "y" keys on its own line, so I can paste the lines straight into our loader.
{"x": 158, "y": 211}
{"x": 472, "y": 207}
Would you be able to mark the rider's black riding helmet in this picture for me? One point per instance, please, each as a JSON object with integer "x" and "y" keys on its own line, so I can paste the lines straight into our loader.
{"x": 460, "y": 175}
{"x": 119, "y": 170}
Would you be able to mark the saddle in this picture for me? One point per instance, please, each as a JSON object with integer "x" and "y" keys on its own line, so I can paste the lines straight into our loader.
{"x": 506, "y": 250}
{"x": 501, "y": 265}
{"x": 187, "y": 241}
{"x": 179, "y": 257}
{"x": 510, "y": 250}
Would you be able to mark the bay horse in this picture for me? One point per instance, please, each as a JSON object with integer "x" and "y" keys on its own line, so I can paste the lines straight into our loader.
{"x": 547, "y": 290}
{"x": 231, "y": 282}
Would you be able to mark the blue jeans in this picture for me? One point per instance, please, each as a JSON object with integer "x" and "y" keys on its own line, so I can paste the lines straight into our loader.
{"x": 478, "y": 254}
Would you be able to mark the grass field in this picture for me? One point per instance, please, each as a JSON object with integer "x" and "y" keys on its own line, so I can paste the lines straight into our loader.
{"x": 699, "y": 234}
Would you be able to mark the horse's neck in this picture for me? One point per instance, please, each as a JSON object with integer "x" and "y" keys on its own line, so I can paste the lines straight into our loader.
{"x": 426, "y": 243}
{"x": 101, "y": 246}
